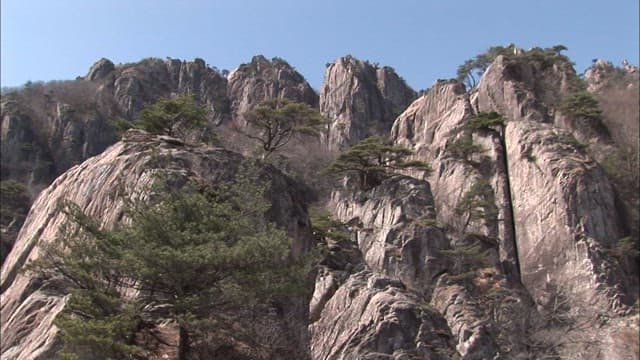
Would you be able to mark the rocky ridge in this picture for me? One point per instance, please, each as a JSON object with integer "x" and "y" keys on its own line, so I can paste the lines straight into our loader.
{"x": 530, "y": 196}
{"x": 127, "y": 168}
{"x": 360, "y": 99}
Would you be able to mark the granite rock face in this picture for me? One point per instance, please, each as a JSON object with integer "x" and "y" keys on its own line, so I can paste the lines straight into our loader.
{"x": 433, "y": 126}
{"x": 564, "y": 212}
{"x": 547, "y": 202}
{"x": 48, "y": 128}
{"x": 394, "y": 227}
{"x": 135, "y": 85}
{"x": 531, "y": 196}
{"x": 360, "y": 99}
{"x": 261, "y": 79}
{"x": 28, "y": 308}
{"x": 371, "y": 316}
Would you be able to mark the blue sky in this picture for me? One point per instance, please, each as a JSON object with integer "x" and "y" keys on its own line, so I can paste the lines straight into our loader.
{"x": 422, "y": 39}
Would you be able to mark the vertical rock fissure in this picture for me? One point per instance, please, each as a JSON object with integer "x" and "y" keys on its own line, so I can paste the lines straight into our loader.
{"x": 512, "y": 275}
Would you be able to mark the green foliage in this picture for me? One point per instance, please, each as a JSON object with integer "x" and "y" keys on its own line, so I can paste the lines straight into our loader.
{"x": 196, "y": 251}
{"x": 572, "y": 141}
{"x": 276, "y": 121}
{"x": 485, "y": 120}
{"x": 325, "y": 226}
{"x": 14, "y": 200}
{"x": 473, "y": 69}
{"x": 374, "y": 160}
{"x": 467, "y": 260}
{"x": 427, "y": 221}
{"x": 559, "y": 48}
{"x": 622, "y": 167}
{"x": 478, "y": 203}
{"x": 626, "y": 246}
{"x": 581, "y": 104}
{"x": 121, "y": 125}
{"x": 463, "y": 148}
{"x": 173, "y": 117}
{"x": 14, "y": 205}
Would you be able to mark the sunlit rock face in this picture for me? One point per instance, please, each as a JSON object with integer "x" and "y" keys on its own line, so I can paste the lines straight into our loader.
{"x": 360, "y": 99}
{"x": 263, "y": 79}
{"x": 97, "y": 186}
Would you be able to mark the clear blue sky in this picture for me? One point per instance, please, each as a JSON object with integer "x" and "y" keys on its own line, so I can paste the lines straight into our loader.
{"x": 422, "y": 39}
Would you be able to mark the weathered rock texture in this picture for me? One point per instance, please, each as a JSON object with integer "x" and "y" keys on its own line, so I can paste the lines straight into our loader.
{"x": 531, "y": 194}
{"x": 261, "y": 80}
{"x": 47, "y": 128}
{"x": 134, "y": 85}
{"x": 28, "y": 306}
{"x": 544, "y": 195}
{"x": 564, "y": 212}
{"x": 360, "y": 99}
{"x": 394, "y": 228}
{"x": 433, "y": 125}
{"x": 372, "y": 316}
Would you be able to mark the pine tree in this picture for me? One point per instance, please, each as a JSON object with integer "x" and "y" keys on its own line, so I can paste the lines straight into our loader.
{"x": 275, "y": 122}
{"x": 169, "y": 116}
{"x": 372, "y": 160}
{"x": 195, "y": 252}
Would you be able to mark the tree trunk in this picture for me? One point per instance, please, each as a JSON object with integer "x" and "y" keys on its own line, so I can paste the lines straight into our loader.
{"x": 183, "y": 344}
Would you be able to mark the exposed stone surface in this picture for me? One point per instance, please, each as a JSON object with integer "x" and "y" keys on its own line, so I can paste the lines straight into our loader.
{"x": 28, "y": 308}
{"x": 561, "y": 294}
{"x": 371, "y": 316}
{"x": 431, "y": 126}
{"x": 466, "y": 321}
{"x": 527, "y": 90}
{"x": 47, "y": 129}
{"x": 45, "y": 133}
{"x": 576, "y": 236}
{"x": 100, "y": 70}
{"x": 261, "y": 80}
{"x": 134, "y": 85}
{"x": 394, "y": 225}
{"x": 360, "y": 99}
{"x": 564, "y": 213}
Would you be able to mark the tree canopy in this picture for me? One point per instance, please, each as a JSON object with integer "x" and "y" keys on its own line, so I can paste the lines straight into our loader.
{"x": 372, "y": 160}
{"x": 472, "y": 69}
{"x": 192, "y": 252}
{"x": 275, "y": 122}
{"x": 169, "y": 116}
{"x": 581, "y": 104}
{"x": 485, "y": 120}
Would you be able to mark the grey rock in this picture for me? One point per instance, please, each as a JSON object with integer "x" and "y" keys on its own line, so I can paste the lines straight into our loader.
{"x": 134, "y": 85}
{"x": 564, "y": 215}
{"x": 430, "y": 126}
{"x": 371, "y": 316}
{"x": 261, "y": 79}
{"x": 396, "y": 229}
{"x": 466, "y": 320}
{"x": 100, "y": 70}
{"x": 28, "y": 309}
{"x": 360, "y": 99}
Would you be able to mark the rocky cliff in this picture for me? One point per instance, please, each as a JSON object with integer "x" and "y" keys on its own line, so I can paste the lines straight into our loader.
{"x": 515, "y": 246}
{"x": 360, "y": 99}
{"x": 261, "y": 79}
{"x": 128, "y": 167}
{"x": 47, "y": 128}
{"x": 554, "y": 222}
